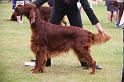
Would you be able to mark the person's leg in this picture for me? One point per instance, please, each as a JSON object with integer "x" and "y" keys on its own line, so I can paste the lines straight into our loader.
{"x": 120, "y": 10}
{"x": 13, "y": 5}
{"x": 55, "y": 18}
{"x": 74, "y": 18}
{"x": 48, "y": 63}
{"x": 115, "y": 16}
{"x": 109, "y": 16}
{"x": 19, "y": 19}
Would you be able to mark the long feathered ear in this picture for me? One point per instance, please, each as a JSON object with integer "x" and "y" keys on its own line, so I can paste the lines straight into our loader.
{"x": 32, "y": 16}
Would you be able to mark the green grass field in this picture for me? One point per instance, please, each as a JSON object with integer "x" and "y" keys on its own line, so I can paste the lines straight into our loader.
{"x": 15, "y": 50}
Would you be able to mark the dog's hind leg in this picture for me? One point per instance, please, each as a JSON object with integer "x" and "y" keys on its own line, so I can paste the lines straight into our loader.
{"x": 83, "y": 54}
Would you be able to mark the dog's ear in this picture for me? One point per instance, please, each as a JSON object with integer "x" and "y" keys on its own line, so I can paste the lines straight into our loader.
{"x": 32, "y": 12}
{"x": 32, "y": 15}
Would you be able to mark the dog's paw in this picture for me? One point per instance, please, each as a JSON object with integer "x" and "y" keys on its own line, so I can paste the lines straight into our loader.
{"x": 92, "y": 73}
{"x": 35, "y": 71}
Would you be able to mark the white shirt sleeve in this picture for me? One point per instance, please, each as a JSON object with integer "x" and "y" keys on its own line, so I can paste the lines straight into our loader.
{"x": 79, "y": 5}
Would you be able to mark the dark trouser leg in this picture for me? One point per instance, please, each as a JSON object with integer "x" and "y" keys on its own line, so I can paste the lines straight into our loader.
{"x": 74, "y": 17}
{"x": 121, "y": 9}
{"x": 48, "y": 63}
{"x": 56, "y": 17}
{"x": 13, "y": 4}
{"x": 75, "y": 20}
{"x": 83, "y": 64}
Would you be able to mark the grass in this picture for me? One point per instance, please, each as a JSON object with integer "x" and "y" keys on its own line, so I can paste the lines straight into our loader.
{"x": 15, "y": 50}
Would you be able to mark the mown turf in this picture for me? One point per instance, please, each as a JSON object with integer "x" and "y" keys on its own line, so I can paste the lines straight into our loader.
{"x": 15, "y": 50}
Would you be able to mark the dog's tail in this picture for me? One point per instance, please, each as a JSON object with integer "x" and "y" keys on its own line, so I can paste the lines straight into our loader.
{"x": 100, "y": 38}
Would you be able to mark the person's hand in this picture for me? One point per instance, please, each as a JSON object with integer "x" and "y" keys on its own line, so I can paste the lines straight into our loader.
{"x": 100, "y": 29}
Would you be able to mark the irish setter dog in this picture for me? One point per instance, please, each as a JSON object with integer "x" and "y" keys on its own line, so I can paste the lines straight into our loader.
{"x": 48, "y": 40}
{"x": 14, "y": 15}
{"x": 44, "y": 13}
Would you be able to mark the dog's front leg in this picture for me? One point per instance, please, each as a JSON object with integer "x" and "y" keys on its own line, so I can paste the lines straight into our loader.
{"x": 40, "y": 63}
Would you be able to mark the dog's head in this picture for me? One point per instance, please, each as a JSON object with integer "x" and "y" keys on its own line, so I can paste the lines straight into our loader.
{"x": 19, "y": 10}
{"x": 29, "y": 10}
{"x": 16, "y": 13}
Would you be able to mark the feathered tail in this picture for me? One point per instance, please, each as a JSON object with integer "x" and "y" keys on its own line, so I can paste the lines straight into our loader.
{"x": 100, "y": 38}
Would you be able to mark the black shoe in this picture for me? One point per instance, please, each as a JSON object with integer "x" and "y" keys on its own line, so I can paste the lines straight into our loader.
{"x": 48, "y": 63}
{"x": 83, "y": 64}
{"x": 32, "y": 60}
